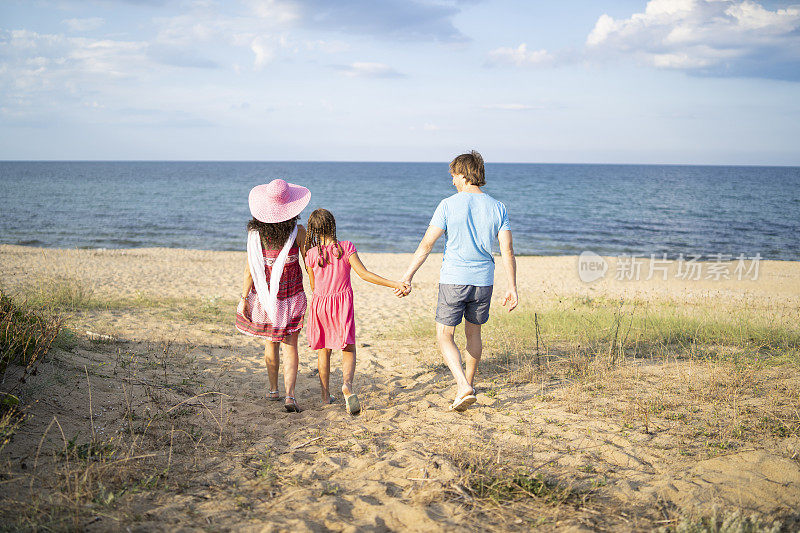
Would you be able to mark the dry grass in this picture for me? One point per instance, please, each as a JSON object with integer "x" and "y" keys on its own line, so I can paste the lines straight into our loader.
{"x": 712, "y": 380}
{"x": 165, "y": 425}
{"x": 708, "y": 379}
{"x": 719, "y": 522}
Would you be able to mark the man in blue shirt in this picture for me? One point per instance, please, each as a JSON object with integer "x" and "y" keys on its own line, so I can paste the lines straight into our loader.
{"x": 470, "y": 220}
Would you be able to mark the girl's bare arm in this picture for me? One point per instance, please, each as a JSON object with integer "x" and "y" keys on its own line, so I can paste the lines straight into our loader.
{"x": 310, "y": 277}
{"x": 301, "y": 243}
{"x": 366, "y": 275}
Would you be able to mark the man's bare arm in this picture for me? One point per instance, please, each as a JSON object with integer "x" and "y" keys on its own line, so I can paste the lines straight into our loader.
{"x": 510, "y": 266}
{"x": 423, "y": 250}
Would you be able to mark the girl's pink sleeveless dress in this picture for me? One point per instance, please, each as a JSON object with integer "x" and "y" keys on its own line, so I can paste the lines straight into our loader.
{"x": 332, "y": 323}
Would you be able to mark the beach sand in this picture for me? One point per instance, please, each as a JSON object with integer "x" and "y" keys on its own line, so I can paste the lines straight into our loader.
{"x": 170, "y": 376}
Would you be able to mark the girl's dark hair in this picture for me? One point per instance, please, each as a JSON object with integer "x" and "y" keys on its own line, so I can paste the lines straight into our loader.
{"x": 273, "y": 235}
{"x": 322, "y": 224}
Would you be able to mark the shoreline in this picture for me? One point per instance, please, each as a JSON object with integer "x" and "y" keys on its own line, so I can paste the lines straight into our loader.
{"x": 188, "y": 273}
{"x": 411, "y": 252}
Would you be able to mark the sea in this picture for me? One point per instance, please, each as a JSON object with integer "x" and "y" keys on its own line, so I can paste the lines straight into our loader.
{"x": 554, "y": 209}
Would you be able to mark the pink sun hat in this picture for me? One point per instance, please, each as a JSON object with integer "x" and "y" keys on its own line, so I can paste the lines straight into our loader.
{"x": 278, "y": 201}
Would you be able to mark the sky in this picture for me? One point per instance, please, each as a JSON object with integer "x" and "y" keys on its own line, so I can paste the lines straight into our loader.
{"x": 578, "y": 81}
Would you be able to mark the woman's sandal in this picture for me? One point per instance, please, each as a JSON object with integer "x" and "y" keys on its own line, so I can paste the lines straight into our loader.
{"x": 273, "y": 398}
{"x": 291, "y": 405}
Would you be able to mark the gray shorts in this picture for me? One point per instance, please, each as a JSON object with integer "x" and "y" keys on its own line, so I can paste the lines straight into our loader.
{"x": 468, "y": 301}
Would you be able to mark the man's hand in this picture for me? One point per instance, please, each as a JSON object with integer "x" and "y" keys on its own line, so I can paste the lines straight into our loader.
{"x": 511, "y": 299}
{"x": 405, "y": 289}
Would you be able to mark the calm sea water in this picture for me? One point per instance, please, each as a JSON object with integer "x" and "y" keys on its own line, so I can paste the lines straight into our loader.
{"x": 385, "y": 207}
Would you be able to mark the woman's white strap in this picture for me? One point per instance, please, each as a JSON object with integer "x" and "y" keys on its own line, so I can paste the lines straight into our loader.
{"x": 255, "y": 259}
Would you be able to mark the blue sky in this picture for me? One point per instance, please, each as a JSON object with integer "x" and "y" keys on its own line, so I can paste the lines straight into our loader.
{"x": 665, "y": 81}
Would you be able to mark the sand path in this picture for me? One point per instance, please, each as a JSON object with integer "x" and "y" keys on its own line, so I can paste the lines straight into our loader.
{"x": 400, "y": 464}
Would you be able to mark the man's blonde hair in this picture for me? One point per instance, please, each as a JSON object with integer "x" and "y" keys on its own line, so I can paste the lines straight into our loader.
{"x": 471, "y": 167}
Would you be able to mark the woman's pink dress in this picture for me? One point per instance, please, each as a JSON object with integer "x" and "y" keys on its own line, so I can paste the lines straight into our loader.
{"x": 332, "y": 323}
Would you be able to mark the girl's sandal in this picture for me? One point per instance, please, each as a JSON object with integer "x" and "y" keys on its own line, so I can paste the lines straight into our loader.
{"x": 353, "y": 405}
{"x": 275, "y": 398}
{"x": 291, "y": 405}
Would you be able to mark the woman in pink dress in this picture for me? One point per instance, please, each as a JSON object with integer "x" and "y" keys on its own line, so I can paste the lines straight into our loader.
{"x": 273, "y": 303}
{"x": 332, "y": 324}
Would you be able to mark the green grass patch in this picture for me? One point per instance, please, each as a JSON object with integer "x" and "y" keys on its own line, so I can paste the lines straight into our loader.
{"x": 630, "y": 328}
{"x": 68, "y": 295}
{"x": 608, "y": 324}
{"x": 26, "y": 333}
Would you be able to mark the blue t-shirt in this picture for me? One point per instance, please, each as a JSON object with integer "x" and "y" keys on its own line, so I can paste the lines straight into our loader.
{"x": 470, "y": 222}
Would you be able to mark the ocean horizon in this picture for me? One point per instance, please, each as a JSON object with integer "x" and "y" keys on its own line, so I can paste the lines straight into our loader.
{"x": 554, "y": 208}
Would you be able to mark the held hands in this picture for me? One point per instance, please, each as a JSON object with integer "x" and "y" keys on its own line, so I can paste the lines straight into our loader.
{"x": 403, "y": 289}
{"x": 511, "y": 299}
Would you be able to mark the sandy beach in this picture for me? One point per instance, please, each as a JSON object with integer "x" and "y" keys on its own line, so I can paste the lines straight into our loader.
{"x": 623, "y": 447}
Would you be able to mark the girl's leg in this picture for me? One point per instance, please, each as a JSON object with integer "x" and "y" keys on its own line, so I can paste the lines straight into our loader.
{"x": 291, "y": 361}
{"x": 324, "y": 366}
{"x": 348, "y": 368}
{"x": 272, "y": 359}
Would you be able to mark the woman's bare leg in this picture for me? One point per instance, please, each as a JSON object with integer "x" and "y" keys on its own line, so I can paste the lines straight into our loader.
{"x": 272, "y": 359}
{"x": 291, "y": 361}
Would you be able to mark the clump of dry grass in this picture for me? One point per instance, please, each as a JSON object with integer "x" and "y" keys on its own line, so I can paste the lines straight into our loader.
{"x": 509, "y": 489}
{"x": 719, "y": 522}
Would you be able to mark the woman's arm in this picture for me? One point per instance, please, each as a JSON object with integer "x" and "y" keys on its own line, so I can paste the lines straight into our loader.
{"x": 366, "y": 275}
{"x": 300, "y": 241}
{"x": 247, "y": 284}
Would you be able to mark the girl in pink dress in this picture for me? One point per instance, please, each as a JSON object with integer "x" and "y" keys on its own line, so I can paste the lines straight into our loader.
{"x": 332, "y": 324}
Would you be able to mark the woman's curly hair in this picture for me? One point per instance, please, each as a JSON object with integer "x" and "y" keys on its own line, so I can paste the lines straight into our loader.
{"x": 273, "y": 235}
{"x": 322, "y": 225}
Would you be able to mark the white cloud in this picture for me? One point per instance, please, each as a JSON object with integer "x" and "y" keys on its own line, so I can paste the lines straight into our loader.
{"x": 86, "y": 24}
{"x": 511, "y": 107}
{"x": 264, "y": 50}
{"x": 709, "y": 37}
{"x": 429, "y": 126}
{"x": 519, "y": 56}
{"x": 277, "y": 12}
{"x": 41, "y": 60}
{"x": 370, "y": 70}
